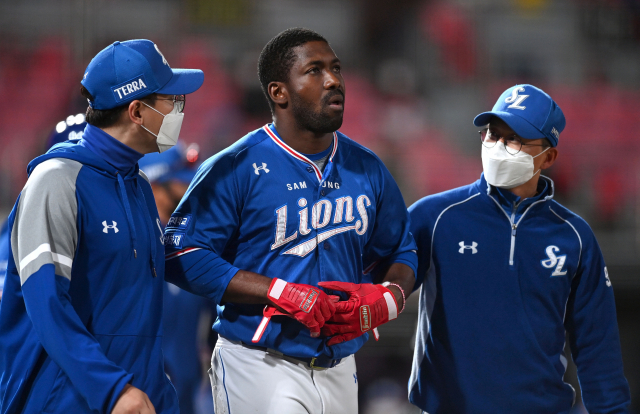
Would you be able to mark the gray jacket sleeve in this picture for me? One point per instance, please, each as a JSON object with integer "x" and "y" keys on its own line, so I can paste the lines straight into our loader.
{"x": 45, "y": 226}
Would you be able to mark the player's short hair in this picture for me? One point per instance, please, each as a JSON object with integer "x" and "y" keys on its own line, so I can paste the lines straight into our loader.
{"x": 104, "y": 118}
{"x": 277, "y": 57}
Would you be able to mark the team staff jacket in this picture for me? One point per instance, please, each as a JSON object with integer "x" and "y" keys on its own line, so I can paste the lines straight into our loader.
{"x": 81, "y": 312}
{"x": 502, "y": 280}
{"x": 261, "y": 206}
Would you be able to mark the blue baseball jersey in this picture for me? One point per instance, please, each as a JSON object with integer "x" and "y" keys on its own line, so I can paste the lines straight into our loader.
{"x": 261, "y": 206}
{"x": 502, "y": 280}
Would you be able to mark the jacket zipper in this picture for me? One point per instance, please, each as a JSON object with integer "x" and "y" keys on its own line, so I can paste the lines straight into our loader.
{"x": 514, "y": 226}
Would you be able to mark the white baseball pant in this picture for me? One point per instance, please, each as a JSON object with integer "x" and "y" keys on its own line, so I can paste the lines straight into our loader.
{"x": 248, "y": 380}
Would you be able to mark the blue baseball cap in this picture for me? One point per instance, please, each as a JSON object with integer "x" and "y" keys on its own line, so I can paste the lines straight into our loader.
{"x": 126, "y": 71}
{"x": 70, "y": 128}
{"x": 177, "y": 163}
{"x": 529, "y": 111}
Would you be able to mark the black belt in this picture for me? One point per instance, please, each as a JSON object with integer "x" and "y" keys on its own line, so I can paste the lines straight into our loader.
{"x": 318, "y": 363}
{"x": 321, "y": 362}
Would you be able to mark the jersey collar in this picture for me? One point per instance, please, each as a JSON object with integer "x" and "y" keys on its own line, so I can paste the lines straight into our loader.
{"x": 271, "y": 131}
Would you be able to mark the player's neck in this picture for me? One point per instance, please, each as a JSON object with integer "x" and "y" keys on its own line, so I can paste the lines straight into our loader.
{"x": 302, "y": 140}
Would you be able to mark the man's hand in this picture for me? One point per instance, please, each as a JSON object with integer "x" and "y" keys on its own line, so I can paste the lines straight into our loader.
{"x": 307, "y": 304}
{"x": 368, "y": 306}
{"x": 133, "y": 401}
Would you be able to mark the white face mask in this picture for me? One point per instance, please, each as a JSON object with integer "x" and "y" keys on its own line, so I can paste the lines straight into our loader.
{"x": 504, "y": 170}
{"x": 169, "y": 130}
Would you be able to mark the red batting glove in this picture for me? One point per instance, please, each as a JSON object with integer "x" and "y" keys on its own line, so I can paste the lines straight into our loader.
{"x": 307, "y": 304}
{"x": 368, "y": 306}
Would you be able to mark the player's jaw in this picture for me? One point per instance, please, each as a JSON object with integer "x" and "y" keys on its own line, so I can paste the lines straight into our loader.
{"x": 320, "y": 119}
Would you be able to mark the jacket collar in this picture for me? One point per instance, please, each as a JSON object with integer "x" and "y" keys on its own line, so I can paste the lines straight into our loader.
{"x": 506, "y": 199}
{"x": 120, "y": 156}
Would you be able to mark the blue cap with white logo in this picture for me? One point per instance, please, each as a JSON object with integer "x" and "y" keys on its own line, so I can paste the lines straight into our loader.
{"x": 125, "y": 71}
{"x": 529, "y": 111}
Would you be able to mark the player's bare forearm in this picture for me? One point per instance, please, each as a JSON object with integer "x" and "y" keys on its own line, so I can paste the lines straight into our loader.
{"x": 402, "y": 275}
{"x": 248, "y": 287}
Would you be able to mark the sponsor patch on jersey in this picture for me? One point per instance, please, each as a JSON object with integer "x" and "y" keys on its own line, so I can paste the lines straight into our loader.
{"x": 179, "y": 222}
{"x": 129, "y": 89}
{"x": 309, "y": 300}
{"x": 174, "y": 240}
{"x": 365, "y": 318}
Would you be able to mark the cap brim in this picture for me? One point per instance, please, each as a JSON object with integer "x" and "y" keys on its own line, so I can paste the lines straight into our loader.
{"x": 183, "y": 82}
{"x": 520, "y": 126}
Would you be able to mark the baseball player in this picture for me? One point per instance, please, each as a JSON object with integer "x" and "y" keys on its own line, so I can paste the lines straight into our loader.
{"x": 505, "y": 272}
{"x": 289, "y": 207}
{"x": 81, "y": 315}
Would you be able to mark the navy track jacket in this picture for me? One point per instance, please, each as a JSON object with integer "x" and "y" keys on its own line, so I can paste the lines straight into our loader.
{"x": 261, "y": 206}
{"x": 81, "y": 313}
{"x": 502, "y": 280}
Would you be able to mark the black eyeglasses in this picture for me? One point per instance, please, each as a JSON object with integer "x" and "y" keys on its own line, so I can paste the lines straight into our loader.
{"x": 512, "y": 143}
{"x": 177, "y": 100}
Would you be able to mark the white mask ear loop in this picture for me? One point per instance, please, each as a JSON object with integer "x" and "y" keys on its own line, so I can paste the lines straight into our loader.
{"x": 540, "y": 169}
{"x": 151, "y": 107}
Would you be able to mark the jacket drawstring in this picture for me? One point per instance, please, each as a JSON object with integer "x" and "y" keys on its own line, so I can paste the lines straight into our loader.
{"x": 149, "y": 231}
{"x": 127, "y": 209}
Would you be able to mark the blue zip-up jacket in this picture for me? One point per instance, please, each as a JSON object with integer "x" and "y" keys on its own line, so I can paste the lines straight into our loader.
{"x": 502, "y": 280}
{"x": 261, "y": 206}
{"x": 81, "y": 312}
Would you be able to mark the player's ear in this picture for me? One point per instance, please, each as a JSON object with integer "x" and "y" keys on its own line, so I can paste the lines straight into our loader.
{"x": 278, "y": 93}
{"x": 134, "y": 112}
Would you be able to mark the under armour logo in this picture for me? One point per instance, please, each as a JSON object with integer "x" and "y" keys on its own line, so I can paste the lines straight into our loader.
{"x": 472, "y": 247}
{"x": 106, "y": 227}
{"x": 263, "y": 168}
{"x": 515, "y": 99}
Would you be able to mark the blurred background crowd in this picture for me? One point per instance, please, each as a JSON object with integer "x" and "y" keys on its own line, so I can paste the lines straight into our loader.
{"x": 416, "y": 72}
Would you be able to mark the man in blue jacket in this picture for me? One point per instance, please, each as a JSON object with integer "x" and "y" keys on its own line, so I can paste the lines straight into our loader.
{"x": 81, "y": 315}
{"x": 505, "y": 271}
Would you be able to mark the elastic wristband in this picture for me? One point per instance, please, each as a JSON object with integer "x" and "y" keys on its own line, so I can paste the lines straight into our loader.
{"x": 404, "y": 299}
